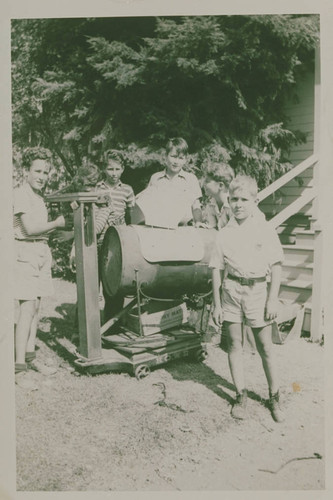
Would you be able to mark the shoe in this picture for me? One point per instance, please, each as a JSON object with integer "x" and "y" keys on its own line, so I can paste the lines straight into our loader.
{"x": 239, "y": 407}
{"x": 274, "y": 406}
{"x": 23, "y": 380}
{"x": 41, "y": 368}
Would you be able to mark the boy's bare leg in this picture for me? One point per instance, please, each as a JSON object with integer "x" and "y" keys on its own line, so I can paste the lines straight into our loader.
{"x": 26, "y": 315}
{"x": 263, "y": 339}
{"x": 235, "y": 355}
{"x": 33, "y": 329}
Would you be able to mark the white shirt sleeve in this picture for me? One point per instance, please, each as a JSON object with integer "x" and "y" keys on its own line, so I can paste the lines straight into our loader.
{"x": 217, "y": 256}
{"x": 273, "y": 246}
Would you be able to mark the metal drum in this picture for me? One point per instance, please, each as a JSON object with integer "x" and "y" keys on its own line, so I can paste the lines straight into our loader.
{"x": 181, "y": 267}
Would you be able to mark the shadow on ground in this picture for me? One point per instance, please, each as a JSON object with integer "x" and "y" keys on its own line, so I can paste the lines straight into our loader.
{"x": 53, "y": 329}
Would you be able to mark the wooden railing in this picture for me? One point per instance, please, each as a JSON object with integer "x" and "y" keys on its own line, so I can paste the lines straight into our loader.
{"x": 293, "y": 208}
{"x": 301, "y": 201}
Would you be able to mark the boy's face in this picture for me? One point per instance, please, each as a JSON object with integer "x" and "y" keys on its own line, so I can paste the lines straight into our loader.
{"x": 38, "y": 174}
{"x": 113, "y": 172}
{"x": 175, "y": 161}
{"x": 242, "y": 203}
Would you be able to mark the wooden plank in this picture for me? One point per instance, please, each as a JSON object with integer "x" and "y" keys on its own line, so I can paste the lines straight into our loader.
{"x": 87, "y": 282}
{"x": 293, "y": 208}
{"x": 309, "y": 162}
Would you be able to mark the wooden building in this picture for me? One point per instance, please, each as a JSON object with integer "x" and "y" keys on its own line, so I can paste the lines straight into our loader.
{"x": 292, "y": 204}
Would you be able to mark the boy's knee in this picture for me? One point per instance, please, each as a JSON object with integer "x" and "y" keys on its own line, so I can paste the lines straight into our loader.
{"x": 234, "y": 346}
{"x": 264, "y": 347}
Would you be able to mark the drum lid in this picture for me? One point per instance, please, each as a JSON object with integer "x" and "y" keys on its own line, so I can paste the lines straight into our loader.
{"x": 183, "y": 244}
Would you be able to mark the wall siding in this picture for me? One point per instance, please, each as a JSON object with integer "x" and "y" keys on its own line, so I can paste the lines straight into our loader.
{"x": 300, "y": 111}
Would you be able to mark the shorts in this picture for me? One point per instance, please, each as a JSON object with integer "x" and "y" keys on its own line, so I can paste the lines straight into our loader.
{"x": 32, "y": 270}
{"x": 244, "y": 304}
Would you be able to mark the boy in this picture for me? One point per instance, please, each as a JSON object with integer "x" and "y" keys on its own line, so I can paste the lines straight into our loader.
{"x": 173, "y": 195}
{"x": 216, "y": 182}
{"x": 247, "y": 249}
{"x": 32, "y": 265}
{"x": 123, "y": 201}
{"x": 121, "y": 195}
{"x": 86, "y": 179}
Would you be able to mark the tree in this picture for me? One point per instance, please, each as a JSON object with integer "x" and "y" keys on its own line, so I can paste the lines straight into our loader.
{"x": 218, "y": 81}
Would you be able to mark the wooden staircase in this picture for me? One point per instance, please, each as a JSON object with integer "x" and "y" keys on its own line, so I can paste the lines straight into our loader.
{"x": 295, "y": 221}
{"x": 297, "y": 271}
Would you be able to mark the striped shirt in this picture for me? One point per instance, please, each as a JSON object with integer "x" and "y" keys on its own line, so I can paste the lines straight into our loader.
{"x": 27, "y": 201}
{"x": 122, "y": 197}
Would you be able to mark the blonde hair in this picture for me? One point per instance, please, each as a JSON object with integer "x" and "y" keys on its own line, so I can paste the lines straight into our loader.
{"x": 244, "y": 182}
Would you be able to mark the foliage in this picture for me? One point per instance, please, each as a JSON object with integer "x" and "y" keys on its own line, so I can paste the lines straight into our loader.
{"x": 81, "y": 86}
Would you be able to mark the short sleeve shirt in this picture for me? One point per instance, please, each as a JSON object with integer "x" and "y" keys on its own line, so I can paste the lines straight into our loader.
{"x": 26, "y": 201}
{"x": 248, "y": 249}
{"x": 122, "y": 197}
{"x": 168, "y": 201}
{"x": 215, "y": 217}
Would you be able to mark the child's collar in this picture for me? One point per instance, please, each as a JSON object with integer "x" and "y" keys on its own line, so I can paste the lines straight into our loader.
{"x": 181, "y": 173}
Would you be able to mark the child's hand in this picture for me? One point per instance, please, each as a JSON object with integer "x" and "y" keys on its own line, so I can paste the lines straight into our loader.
{"x": 60, "y": 221}
{"x": 201, "y": 224}
{"x": 217, "y": 315}
{"x": 72, "y": 264}
{"x": 271, "y": 309}
{"x": 61, "y": 236}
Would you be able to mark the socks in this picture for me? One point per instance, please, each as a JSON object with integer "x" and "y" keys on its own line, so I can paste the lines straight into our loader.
{"x": 20, "y": 367}
{"x": 30, "y": 356}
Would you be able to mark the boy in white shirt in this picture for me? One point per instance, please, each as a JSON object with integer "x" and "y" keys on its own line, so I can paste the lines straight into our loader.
{"x": 247, "y": 250}
{"x": 173, "y": 195}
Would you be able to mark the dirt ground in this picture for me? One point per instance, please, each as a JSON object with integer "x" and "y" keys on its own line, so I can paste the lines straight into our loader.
{"x": 106, "y": 432}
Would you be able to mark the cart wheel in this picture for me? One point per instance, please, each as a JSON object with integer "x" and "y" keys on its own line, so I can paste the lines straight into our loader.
{"x": 200, "y": 355}
{"x": 141, "y": 371}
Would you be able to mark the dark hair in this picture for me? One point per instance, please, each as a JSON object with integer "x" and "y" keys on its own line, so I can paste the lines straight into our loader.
{"x": 115, "y": 154}
{"x": 220, "y": 172}
{"x": 86, "y": 175}
{"x": 177, "y": 143}
{"x": 35, "y": 153}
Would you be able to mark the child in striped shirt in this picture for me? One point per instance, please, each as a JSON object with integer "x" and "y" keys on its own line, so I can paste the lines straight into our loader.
{"x": 123, "y": 201}
{"x": 121, "y": 195}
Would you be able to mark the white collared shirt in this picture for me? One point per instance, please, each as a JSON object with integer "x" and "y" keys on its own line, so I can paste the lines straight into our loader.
{"x": 168, "y": 200}
{"x": 248, "y": 249}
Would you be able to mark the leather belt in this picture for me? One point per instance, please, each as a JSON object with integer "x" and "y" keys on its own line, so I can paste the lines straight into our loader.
{"x": 33, "y": 240}
{"x": 246, "y": 281}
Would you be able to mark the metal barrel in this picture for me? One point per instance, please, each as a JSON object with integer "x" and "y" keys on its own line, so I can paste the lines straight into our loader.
{"x": 121, "y": 261}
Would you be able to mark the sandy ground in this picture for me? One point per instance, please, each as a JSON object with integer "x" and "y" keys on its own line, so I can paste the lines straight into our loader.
{"x": 107, "y": 432}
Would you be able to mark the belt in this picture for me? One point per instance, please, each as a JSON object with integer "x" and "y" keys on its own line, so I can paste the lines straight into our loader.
{"x": 33, "y": 240}
{"x": 246, "y": 281}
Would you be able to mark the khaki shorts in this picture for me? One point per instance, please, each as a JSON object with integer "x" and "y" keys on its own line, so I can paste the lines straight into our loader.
{"x": 244, "y": 303}
{"x": 32, "y": 270}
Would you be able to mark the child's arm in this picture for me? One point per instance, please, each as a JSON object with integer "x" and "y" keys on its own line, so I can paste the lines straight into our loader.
{"x": 197, "y": 213}
{"x": 101, "y": 217}
{"x": 33, "y": 228}
{"x": 130, "y": 204}
{"x": 272, "y": 299}
{"x": 217, "y": 312}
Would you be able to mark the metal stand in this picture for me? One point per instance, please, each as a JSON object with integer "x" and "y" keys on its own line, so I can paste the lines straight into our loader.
{"x": 101, "y": 353}
{"x": 87, "y": 285}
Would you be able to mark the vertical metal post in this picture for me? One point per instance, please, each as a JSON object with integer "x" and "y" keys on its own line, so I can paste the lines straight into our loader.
{"x": 87, "y": 281}
{"x": 138, "y": 301}
{"x": 317, "y": 327}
